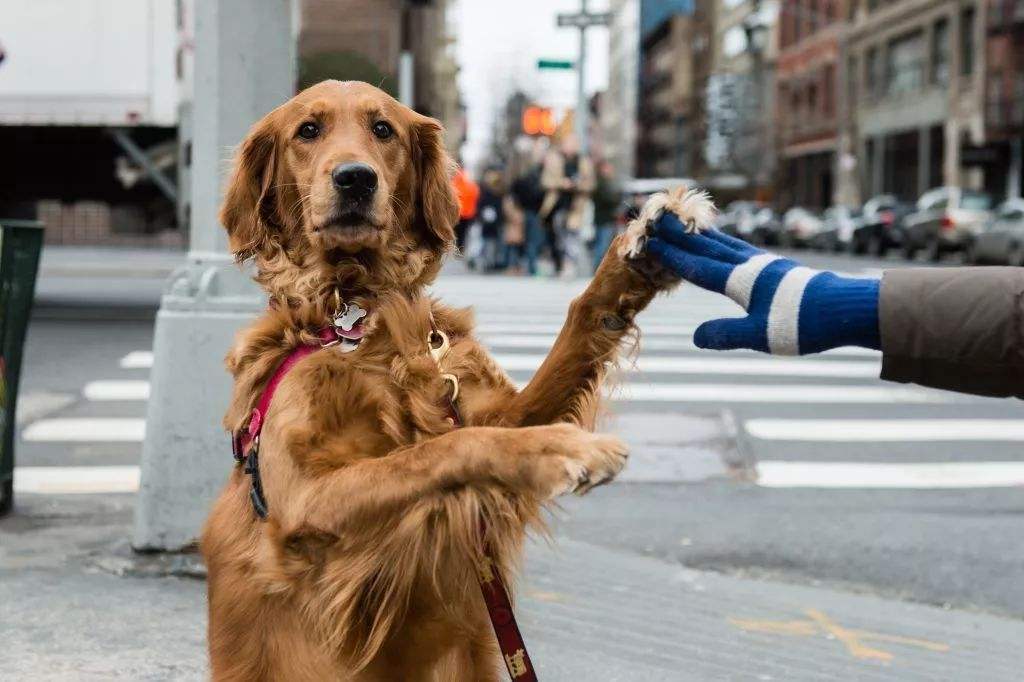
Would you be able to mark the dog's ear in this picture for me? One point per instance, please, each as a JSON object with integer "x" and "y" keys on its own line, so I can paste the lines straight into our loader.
{"x": 249, "y": 207}
{"x": 437, "y": 207}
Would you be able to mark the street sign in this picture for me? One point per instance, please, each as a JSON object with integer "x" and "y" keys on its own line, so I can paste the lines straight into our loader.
{"x": 555, "y": 64}
{"x": 584, "y": 19}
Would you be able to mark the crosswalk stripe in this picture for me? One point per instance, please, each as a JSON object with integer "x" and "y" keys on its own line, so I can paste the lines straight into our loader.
{"x": 116, "y": 390}
{"x": 485, "y": 327}
{"x": 85, "y": 429}
{"x": 679, "y": 343}
{"x": 779, "y": 474}
{"x": 767, "y": 366}
{"x": 886, "y": 430}
{"x": 137, "y": 359}
{"x": 768, "y": 393}
{"x": 76, "y": 480}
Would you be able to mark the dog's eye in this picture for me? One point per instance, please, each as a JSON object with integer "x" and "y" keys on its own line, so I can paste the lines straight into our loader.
{"x": 309, "y": 130}
{"x": 383, "y": 130}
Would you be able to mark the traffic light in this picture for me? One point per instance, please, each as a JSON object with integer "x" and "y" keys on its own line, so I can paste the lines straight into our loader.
{"x": 538, "y": 121}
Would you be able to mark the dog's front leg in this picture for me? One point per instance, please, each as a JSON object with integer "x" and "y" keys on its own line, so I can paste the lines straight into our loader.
{"x": 358, "y": 545}
{"x": 567, "y": 385}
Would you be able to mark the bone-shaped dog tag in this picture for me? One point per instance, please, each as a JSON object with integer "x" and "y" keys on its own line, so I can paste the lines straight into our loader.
{"x": 349, "y": 317}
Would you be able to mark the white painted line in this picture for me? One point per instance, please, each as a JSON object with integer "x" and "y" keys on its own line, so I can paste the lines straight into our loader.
{"x": 766, "y": 366}
{"x": 678, "y": 343}
{"x": 116, "y": 390}
{"x": 85, "y": 430}
{"x": 861, "y": 475}
{"x": 775, "y": 393}
{"x": 76, "y": 480}
{"x": 35, "y": 405}
{"x": 552, "y": 328}
{"x": 893, "y": 430}
{"x": 137, "y": 359}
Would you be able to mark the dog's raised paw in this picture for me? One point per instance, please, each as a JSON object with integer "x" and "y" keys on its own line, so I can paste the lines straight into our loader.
{"x": 693, "y": 206}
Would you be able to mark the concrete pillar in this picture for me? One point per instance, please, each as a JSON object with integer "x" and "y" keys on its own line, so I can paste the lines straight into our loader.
{"x": 878, "y": 167}
{"x": 244, "y": 67}
{"x": 1013, "y": 183}
{"x": 924, "y": 159}
{"x": 951, "y": 162}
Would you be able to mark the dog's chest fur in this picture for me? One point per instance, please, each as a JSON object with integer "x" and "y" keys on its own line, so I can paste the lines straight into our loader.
{"x": 387, "y": 393}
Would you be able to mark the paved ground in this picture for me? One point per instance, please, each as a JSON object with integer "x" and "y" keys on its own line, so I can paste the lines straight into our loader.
{"x": 78, "y": 606}
{"x": 726, "y": 476}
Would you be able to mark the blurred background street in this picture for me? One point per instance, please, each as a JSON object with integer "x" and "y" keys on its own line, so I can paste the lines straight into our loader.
{"x": 779, "y": 517}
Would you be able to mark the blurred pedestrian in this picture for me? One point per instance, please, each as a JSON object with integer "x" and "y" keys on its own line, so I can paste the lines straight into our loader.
{"x": 468, "y": 193}
{"x": 490, "y": 212}
{"x": 568, "y": 180}
{"x": 608, "y": 208}
{"x": 513, "y": 236}
{"x": 952, "y": 328}
{"x": 528, "y": 195}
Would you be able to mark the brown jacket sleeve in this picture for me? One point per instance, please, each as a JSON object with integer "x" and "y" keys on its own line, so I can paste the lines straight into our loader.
{"x": 960, "y": 329}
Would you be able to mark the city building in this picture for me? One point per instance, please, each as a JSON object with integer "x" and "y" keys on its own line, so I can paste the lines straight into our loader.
{"x": 806, "y": 121}
{"x": 740, "y": 94}
{"x": 667, "y": 145}
{"x": 404, "y": 46}
{"x": 914, "y": 83}
{"x": 651, "y": 76}
{"x": 1004, "y": 96}
{"x": 619, "y": 103}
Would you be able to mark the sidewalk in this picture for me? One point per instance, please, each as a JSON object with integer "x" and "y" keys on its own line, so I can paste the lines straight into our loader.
{"x": 79, "y": 606}
{"x": 130, "y": 281}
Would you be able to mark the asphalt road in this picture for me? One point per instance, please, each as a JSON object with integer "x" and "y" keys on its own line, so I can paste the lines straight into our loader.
{"x": 709, "y": 485}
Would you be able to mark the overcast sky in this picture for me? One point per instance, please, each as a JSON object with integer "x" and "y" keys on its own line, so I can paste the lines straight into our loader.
{"x": 498, "y": 47}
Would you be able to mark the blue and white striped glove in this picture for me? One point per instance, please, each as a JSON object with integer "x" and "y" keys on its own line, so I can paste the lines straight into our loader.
{"x": 791, "y": 309}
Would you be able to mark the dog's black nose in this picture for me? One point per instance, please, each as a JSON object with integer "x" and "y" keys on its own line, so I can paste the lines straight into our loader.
{"x": 354, "y": 180}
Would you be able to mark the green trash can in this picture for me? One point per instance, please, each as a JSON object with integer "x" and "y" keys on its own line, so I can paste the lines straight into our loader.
{"x": 20, "y": 244}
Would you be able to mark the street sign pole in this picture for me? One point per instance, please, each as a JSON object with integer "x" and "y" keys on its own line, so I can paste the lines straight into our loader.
{"x": 581, "y": 21}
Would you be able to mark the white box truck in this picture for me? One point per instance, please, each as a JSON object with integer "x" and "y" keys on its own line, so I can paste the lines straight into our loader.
{"x": 90, "y": 92}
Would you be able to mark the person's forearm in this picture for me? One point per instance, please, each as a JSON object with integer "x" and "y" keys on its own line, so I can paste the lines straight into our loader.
{"x": 960, "y": 329}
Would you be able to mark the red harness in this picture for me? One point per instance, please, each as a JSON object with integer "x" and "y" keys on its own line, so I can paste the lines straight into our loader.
{"x": 245, "y": 444}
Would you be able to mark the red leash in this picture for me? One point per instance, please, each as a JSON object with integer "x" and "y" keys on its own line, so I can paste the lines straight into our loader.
{"x": 245, "y": 445}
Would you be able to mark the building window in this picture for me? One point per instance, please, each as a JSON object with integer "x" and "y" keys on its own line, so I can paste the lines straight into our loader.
{"x": 812, "y": 100}
{"x": 940, "y": 52}
{"x": 904, "y": 64}
{"x": 967, "y": 41}
{"x": 871, "y": 72}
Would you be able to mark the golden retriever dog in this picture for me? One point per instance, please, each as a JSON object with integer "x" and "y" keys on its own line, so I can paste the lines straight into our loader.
{"x": 365, "y": 567}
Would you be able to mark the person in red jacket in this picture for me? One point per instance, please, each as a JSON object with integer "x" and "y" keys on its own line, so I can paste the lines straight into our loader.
{"x": 468, "y": 193}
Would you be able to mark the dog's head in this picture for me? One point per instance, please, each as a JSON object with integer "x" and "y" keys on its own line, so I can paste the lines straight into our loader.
{"x": 342, "y": 174}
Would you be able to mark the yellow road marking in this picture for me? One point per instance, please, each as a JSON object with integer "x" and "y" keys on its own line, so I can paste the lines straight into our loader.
{"x": 818, "y": 623}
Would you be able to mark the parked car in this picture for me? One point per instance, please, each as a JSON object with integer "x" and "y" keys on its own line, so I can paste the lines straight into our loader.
{"x": 947, "y": 219}
{"x": 767, "y": 228}
{"x": 738, "y": 219}
{"x": 880, "y": 227}
{"x": 838, "y": 224}
{"x": 1002, "y": 240}
{"x": 799, "y": 227}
